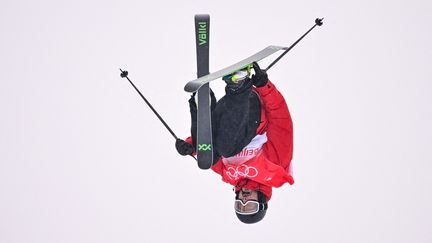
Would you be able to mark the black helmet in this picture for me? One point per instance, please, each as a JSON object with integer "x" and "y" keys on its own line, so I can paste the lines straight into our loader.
{"x": 258, "y": 216}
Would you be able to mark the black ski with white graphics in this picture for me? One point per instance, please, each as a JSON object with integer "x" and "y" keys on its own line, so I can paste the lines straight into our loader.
{"x": 204, "y": 134}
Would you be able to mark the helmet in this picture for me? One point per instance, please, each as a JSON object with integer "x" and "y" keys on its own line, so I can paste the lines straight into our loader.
{"x": 251, "y": 218}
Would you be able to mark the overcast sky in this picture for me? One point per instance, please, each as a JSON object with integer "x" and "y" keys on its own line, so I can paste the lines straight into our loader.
{"x": 83, "y": 159}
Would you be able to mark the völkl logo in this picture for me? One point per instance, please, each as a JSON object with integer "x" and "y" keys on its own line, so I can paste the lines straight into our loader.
{"x": 202, "y": 33}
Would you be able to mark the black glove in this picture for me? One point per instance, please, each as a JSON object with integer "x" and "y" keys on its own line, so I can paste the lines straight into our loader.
{"x": 260, "y": 78}
{"x": 183, "y": 147}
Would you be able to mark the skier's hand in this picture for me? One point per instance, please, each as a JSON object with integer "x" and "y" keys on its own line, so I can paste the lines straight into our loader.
{"x": 260, "y": 78}
{"x": 183, "y": 147}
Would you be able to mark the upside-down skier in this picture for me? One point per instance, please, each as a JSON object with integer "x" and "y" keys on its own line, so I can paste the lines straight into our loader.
{"x": 252, "y": 138}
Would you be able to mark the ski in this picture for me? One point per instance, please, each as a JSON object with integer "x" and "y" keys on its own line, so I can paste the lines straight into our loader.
{"x": 204, "y": 130}
{"x": 196, "y": 84}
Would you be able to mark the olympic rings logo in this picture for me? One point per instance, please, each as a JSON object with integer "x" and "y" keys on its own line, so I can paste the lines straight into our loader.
{"x": 242, "y": 171}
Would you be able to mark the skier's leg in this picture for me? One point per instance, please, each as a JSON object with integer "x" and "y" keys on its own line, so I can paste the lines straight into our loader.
{"x": 193, "y": 112}
{"x": 216, "y": 155}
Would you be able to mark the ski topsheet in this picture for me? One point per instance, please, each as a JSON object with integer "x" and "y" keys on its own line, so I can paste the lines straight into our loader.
{"x": 196, "y": 84}
{"x": 204, "y": 134}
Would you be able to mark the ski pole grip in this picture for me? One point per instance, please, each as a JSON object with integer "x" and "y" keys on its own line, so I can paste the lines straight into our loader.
{"x": 123, "y": 74}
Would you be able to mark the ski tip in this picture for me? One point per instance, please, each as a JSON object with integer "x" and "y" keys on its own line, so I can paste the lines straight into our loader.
{"x": 274, "y": 47}
{"x": 202, "y": 16}
{"x": 318, "y": 21}
{"x": 278, "y": 48}
{"x": 187, "y": 89}
{"x": 204, "y": 166}
{"x": 190, "y": 88}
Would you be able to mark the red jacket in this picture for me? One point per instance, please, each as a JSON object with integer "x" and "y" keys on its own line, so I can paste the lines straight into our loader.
{"x": 266, "y": 161}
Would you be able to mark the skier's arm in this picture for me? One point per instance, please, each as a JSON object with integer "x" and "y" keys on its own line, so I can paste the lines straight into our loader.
{"x": 187, "y": 146}
{"x": 279, "y": 147}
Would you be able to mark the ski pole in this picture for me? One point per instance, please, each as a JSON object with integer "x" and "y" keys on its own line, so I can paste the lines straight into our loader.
{"x": 124, "y": 74}
{"x": 318, "y": 22}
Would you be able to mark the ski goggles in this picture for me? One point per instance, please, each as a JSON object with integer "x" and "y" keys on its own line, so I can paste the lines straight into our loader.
{"x": 237, "y": 76}
{"x": 250, "y": 207}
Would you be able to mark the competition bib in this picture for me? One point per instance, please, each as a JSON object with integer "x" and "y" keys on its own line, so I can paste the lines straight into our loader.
{"x": 248, "y": 152}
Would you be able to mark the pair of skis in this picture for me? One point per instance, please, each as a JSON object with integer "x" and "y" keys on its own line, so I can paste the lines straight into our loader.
{"x": 201, "y": 84}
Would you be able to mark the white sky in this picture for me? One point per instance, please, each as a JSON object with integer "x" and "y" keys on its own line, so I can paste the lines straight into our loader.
{"x": 83, "y": 159}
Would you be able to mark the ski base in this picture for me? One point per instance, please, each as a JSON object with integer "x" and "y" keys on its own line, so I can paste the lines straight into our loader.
{"x": 204, "y": 129}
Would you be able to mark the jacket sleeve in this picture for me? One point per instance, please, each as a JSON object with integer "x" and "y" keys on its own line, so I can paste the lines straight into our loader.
{"x": 279, "y": 146}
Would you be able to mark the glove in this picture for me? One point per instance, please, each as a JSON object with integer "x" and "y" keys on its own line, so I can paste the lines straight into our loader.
{"x": 183, "y": 147}
{"x": 260, "y": 78}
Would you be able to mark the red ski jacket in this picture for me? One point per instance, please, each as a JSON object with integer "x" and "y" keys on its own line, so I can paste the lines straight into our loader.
{"x": 266, "y": 161}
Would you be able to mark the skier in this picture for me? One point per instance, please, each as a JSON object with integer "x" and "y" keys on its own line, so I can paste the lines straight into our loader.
{"x": 252, "y": 138}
